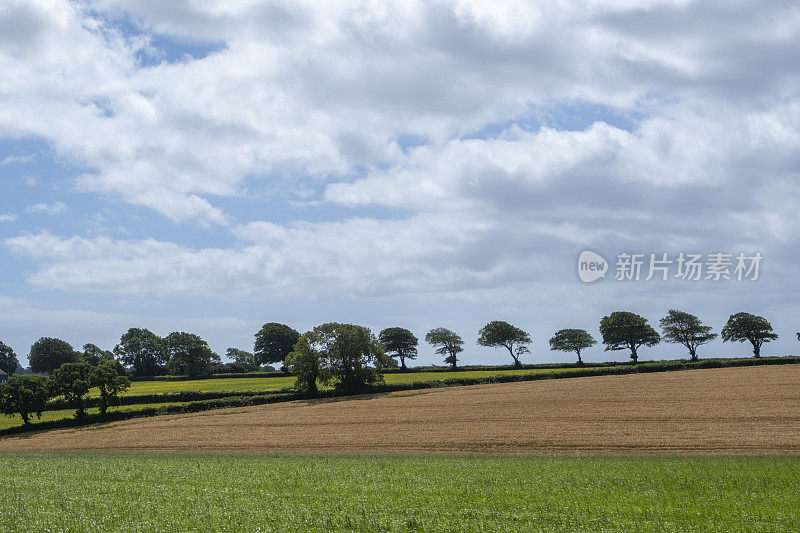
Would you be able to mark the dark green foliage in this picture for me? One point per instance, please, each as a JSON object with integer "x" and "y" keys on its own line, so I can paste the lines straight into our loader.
{"x": 348, "y": 355}
{"x": 622, "y": 330}
{"x": 274, "y": 342}
{"x": 25, "y": 395}
{"x": 502, "y": 334}
{"x": 400, "y": 343}
{"x": 447, "y": 343}
{"x": 684, "y": 328}
{"x": 572, "y": 340}
{"x": 142, "y": 350}
{"x": 73, "y": 381}
{"x": 746, "y": 327}
{"x": 305, "y": 362}
{"x": 107, "y": 378}
{"x": 47, "y": 354}
{"x": 190, "y": 355}
{"x": 245, "y": 360}
{"x": 8, "y": 360}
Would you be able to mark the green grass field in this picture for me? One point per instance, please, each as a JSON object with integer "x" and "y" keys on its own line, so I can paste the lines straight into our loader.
{"x": 92, "y": 492}
{"x": 277, "y": 383}
{"x": 47, "y": 416}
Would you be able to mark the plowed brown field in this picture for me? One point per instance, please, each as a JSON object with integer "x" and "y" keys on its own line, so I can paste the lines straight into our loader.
{"x": 753, "y": 410}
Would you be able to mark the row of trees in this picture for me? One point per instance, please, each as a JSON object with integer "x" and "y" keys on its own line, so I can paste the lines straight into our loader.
{"x": 145, "y": 353}
{"x": 347, "y": 355}
{"x": 27, "y": 395}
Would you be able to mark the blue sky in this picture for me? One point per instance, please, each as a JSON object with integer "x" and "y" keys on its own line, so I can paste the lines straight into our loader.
{"x": 211, "y": 167}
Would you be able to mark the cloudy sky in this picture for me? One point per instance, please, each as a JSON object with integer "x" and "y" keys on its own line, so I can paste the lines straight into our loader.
{"x": 210, "y": 166}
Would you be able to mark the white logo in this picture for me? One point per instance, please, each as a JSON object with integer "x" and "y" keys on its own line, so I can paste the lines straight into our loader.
{"x": 591, "y": 266}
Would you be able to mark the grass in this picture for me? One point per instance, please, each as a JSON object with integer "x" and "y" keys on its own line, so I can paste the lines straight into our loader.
{"x": 91, "y": 492}
{"x": 235, "y": 385}
{"x": 48, "y": 416}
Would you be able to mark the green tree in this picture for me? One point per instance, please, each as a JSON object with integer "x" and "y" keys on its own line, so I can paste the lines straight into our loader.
{"x": 447, "y": 343}
{"x": 502, "y": 334}
{"x": 47, "y": 354}
{"x": 572, "y": 340}
{"x": 400, "y": 343}
{"x": 94, "y": 355}
{"x": 274, "y": 342}
{"x": 8, "y": 360}
{"x": 26, "y": 395}
{"x": 143, "y": 350}
{"x": 746, "y": 327}
{"x": 348, "y": 355}
{"x": 245, "y": 359}
{"x": 305, "y": 362}
{"x": 110, "y": 382}
{"x": 622, "y": 330}
{"x": 687, "y": 329}
{"x": 189, "y": 354}
{"x": 73, "y": 381}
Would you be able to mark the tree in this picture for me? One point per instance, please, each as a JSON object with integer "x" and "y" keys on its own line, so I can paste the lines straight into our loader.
{"x": 107, "y": 378}
{"x": 8, "y": 360}
{"x": 399, "y": 342}
{"x": 622, "y": 330}
{"x": 189, "y": 354}
{"x": 348, "y": 355}
{"x": 242, "y": 358}
{"x": 305, "y": 362}
{"x": 47, "y": 354}
{"x": 26, "y": 395}
{"x": 746, "y": 327}
{"x": 143, "y": 350}
{"x": 572, "y": 340}
{"x": 73, "y": 381}
{"x": 274, "y": 342}
{"x": 447, "y": 343}
{"x": 94, "y": 355}
{"x": 684, "y": 328}
{"x": 502, "y": 334}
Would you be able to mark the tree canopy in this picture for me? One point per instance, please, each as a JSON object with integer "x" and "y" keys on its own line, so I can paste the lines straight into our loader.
{"x": 142, "y": 350}
{"x": 25, "y": 395}
{"x": 572, "y": 340}
{"x": 746, "y": 327}
{"x": 244, "y": 359}
{"x": 346, "y": 354}
{"x": 273, "y": 343}
{"x": 48, "y": 353}
{"x": 189, "y": 355}
{"x": 447, "y": 343}
{"x": 8, "y": 359}
{"x": 110, "y": 382}
{"x": 622, "y": 330}
{"x": 73, "y": 381}
{"x": 684, "y": 328}
{"x": 400, "y": 343}
{"x": 502, "y": 334}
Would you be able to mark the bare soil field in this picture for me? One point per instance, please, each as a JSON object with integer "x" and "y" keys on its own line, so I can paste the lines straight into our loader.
{"x": 732, "y": 411}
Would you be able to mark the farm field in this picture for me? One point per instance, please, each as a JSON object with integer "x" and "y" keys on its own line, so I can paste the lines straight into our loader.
{"x": 212, "y": 492}
{"x": 740, "y": 411}
{"x": 277, "y": 383}
{"x": 47, "y": 416}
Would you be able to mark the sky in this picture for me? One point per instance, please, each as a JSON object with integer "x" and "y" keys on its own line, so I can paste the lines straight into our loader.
{"x": 211, "y": 166}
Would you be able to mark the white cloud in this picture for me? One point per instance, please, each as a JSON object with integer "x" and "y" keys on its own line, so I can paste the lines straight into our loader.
{"x": 16, "y": 159}
{"x": 55, "y": 208}
{"x": 8, "y": 217}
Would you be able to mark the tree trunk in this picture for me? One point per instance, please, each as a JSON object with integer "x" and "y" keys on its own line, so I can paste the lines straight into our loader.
{"x": 25, "y": 420}
{"x": 402, "y": 362}
{"x": 634, "y": 356}
{"x": 580, "y": 361}
{"x": 693, "y": 354}
{"x": 756, "y": 350}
